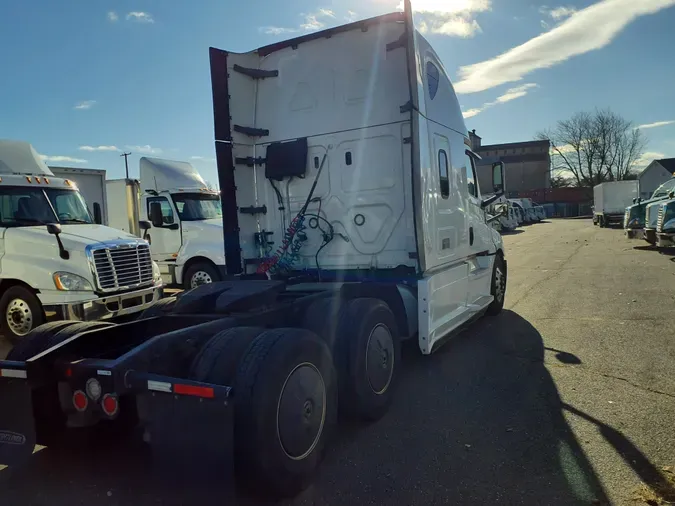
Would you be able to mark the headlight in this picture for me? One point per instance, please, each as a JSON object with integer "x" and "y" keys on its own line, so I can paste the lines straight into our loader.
{"x": 156, "y": 275}
{"x": 68, "y": 281}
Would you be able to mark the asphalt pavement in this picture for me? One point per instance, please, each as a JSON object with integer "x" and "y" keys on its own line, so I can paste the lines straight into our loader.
{"x": 567, "y": 397}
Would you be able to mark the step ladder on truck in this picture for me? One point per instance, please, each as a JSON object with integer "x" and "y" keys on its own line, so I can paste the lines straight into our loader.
{"x": 344, "y": 234}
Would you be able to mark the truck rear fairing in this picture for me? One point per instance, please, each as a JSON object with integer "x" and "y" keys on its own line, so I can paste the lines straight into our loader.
{"x": 350, "y": 112}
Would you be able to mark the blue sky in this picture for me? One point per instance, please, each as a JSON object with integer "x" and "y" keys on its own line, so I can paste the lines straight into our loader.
{"x": 85, "y": 80}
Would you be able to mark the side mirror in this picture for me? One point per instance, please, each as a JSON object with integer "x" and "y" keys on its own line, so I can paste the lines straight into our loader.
{"x": 144, "y": 225}
{"x": 498, "y": 177}
{"x": 98, "y": 217}
{"x": 502, "y": 209}
{"x": 634, "y": 200}
{"x": 671, "y": 195}
{"x": 156, "y": 214}
{"x": 54, "y": 228}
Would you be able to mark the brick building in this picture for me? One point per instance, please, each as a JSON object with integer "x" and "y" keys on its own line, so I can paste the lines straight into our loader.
{"x": 527, "y": 164}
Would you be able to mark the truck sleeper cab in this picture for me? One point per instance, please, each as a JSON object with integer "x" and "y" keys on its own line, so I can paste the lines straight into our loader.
{"x": 353, "y": 221}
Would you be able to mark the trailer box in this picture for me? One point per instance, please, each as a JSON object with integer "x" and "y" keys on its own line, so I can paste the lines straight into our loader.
{"x": 611, "y": 199}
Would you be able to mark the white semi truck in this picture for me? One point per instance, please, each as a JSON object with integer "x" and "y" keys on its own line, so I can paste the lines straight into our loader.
{"x": 353, "y": 221}
{"x": 611, "y": 199}
{"x": 56, "y": 261}
{"x": 186, "y": 236}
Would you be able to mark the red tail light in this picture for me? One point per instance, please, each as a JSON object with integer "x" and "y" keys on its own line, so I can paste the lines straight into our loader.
{"x": 80, "y": 400}
{"x": 110, "y": 404}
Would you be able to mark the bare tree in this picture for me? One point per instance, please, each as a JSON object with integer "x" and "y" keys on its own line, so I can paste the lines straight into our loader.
{"x": 594, "y": 147}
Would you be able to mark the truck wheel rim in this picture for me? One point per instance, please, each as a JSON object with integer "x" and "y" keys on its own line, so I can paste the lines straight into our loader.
{"x": 19, "y": 317}
{"x": 200, "y": 278}
{"x": 500, "y": 284}
{"x": 380, "y": 359}
{"x": 301, "y": 411}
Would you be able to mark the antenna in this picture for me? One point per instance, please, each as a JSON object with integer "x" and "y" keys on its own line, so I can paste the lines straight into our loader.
{"x": 126, "y": 162}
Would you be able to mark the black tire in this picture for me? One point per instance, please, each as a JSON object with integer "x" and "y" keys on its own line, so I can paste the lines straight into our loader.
{"x": 71, "y": 330}
{"x": 36, "y": 341}
{"x": 159, "y": 308}
{"x": 366, "y": 392}
{"x": 210, "y": 272}
{"x": 218, "y": 359}
{"x": 321, "y": 317}
{"x": 27, "y": 309}
{"x": 601, "y": 221}
{"x": 499, "y": 278}
{"x": 282, "y": 423}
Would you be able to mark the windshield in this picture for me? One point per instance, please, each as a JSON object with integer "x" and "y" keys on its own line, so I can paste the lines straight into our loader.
{"x": 26, "y": 206}
{"x": 198, "y": 206}
{"x": 664, "y": 189}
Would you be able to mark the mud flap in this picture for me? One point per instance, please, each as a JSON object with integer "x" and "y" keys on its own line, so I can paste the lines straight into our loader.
{"x": 192, "y": 442}
{"x": 17, "y": 425}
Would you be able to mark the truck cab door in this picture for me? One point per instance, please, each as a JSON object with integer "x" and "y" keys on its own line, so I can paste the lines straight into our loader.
{"x": 480, "y": 240}
{"x": 165, "y": 240}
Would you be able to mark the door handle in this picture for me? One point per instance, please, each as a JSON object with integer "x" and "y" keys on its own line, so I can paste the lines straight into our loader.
{"x": 470, "y": 236}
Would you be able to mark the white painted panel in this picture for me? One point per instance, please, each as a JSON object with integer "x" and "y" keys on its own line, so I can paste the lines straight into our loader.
{"x": 442, "y": 304}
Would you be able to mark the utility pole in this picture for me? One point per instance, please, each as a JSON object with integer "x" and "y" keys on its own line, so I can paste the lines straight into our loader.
{"x": 126, "y": 162}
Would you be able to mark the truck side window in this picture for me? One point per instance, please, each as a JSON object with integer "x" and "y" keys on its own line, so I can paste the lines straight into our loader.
{"x": 471, "y": 176}
{"x": 167, "y": 211}
{"x": 443, "y": 173}
{"x": 433, "y": 77}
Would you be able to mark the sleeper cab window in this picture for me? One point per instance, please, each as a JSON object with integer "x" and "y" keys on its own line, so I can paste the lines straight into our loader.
{"x": 443, "y": 176}
{"x": 471, "y": 176}
{"x": 433, "y": 77}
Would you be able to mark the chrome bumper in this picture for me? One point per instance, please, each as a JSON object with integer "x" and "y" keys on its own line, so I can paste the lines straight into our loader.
{"x": 665, "y": 240}
{"x": 634, "y": 233}
{"x": 106, "y": 307}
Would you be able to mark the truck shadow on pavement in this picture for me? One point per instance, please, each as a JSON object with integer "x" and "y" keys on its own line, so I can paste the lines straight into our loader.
{"x": 479, "y": 422}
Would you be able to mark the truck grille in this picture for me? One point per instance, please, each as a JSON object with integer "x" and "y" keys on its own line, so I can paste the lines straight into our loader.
{"x": 647, "y": 220}
{"x": 122, "y": 266}
{"x": 659, "y": 220}
{"x": 625, "y": 218}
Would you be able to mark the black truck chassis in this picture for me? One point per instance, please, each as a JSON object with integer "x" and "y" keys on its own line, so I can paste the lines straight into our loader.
{"x": 238, "y": 376}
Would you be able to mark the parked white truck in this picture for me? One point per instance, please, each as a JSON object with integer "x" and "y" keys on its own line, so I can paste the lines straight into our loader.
{"x": 610, "y": 200}
{"x": 56, "y": 262}
{"x": 353, "y": 159}
{"x": 186, "y": 237}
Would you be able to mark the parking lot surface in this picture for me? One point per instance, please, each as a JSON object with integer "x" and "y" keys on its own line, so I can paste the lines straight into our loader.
{"x": 567, "y": 397}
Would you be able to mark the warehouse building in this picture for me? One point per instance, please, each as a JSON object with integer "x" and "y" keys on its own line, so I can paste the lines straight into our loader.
{"x": 527, "y": 164}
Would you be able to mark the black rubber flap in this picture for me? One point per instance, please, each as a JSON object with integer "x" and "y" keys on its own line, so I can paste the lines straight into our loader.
{"x": 191, "y": 440}
{"x": 286, "y": 159}
{"x": 17, "y": 427}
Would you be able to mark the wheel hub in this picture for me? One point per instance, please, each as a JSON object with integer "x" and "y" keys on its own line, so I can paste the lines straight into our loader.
{"x": 301, "y": 411}
{"x": 200, "y": 278}
{"x": 380, "y": 359}
{"x": 19, "y": 317}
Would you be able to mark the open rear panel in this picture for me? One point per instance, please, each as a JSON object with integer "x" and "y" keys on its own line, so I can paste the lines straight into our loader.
{"x": 335, "y": 98}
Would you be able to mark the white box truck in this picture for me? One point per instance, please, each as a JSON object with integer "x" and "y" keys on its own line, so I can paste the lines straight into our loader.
{"x": 57, "y": 263}
{"x": 353, "y": 158}
{"x": 611, "y": 199}
{"x": 91, "y": 184}
{"x": 186, "y": 236}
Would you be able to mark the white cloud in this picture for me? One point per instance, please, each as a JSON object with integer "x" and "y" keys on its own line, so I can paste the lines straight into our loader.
{"x": 544, "y": 24}
{"x": 312, "y": 21}
{"x": 589, "y": 29}
{"x": 112, "y": 16}
{"x": 656, "y": 124}
{"x": 648, "y": 158}
{"x": 62, "y": 159}
{"x": 557, "y": 13}
{"x": 351, "y": 16}
{"x": 85, "y": 104}
{"x": 449, "y": 17}
{"x": 203, "y": 159}
{"x": 510, "y": 94}
{"x": 140, "y": 17}
{"x": 145, "y": 150}
{"x": 98, "y": 148}
{"x": 276, "y": 30}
